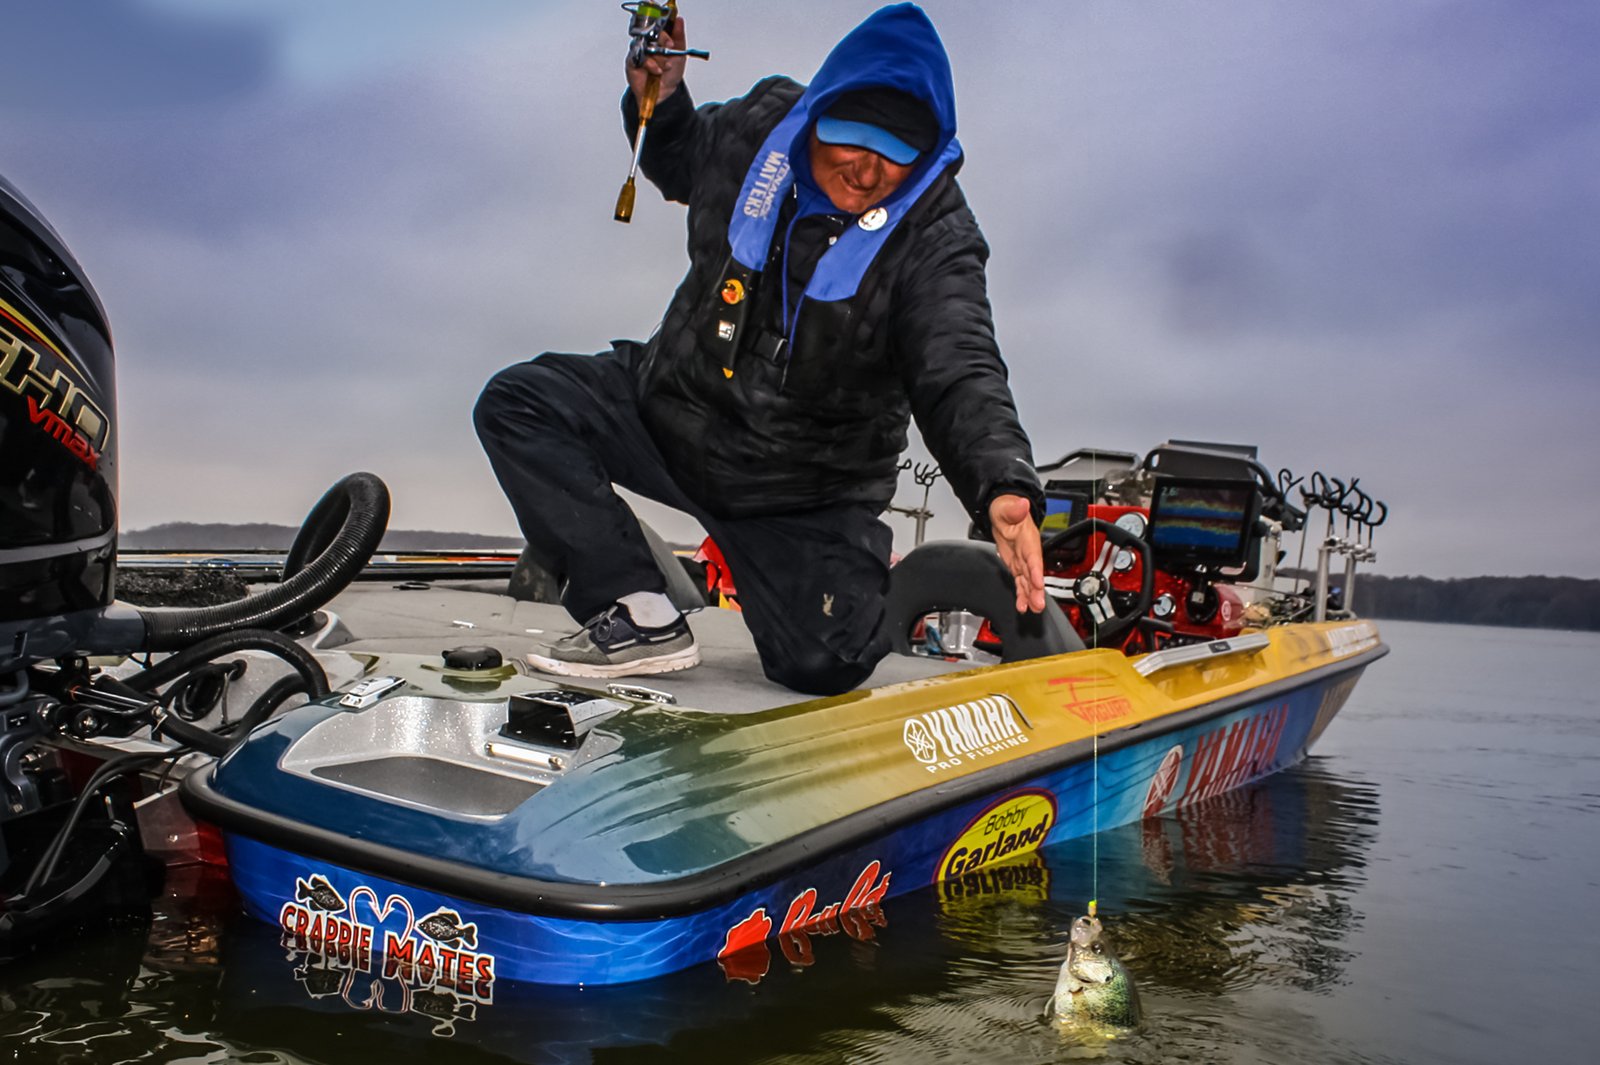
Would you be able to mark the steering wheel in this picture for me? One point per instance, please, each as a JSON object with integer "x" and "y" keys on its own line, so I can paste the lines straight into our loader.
{"x": 1092, "y": 590}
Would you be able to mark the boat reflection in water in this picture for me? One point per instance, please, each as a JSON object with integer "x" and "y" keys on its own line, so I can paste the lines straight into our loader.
{"x": 1247, "y": 888}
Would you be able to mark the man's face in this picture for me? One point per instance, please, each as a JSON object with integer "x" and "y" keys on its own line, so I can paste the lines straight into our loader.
{"x": 854, "y": 178}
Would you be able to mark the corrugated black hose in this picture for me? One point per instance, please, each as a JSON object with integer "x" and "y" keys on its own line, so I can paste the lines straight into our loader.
{"x": 358, "y": 506}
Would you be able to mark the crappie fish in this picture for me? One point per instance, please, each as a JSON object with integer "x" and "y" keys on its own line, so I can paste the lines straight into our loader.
{"x": 319, "y": 893}
{"x": 1094, "y": 990}
{"x": 444, "y": 926}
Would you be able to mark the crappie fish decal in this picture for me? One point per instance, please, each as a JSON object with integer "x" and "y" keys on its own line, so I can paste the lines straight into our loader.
{"x": 320, "y": 894}
{"x": 381, "y": 944}
{"x": 444, "y": 1008}
{"x": 319, "y": 982}
{"x": 444, "y": 926}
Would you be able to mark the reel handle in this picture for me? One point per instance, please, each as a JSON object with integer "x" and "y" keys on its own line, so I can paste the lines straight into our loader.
{"x": 648, "y": 19}
{"x": 647, "y": 109}
{"x": 624, "y": 208}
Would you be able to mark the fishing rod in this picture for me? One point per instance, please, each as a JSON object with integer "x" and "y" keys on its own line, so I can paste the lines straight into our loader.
{"x": 647, "y": 22}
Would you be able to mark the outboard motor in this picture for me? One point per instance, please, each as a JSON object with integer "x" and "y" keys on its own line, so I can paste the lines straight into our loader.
{"x": 58, "y": 441}
{"x": 59, "y": 844}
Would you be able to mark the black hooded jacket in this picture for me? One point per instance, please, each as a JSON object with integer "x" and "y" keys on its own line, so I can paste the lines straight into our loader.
{"x": 821, "y": 418}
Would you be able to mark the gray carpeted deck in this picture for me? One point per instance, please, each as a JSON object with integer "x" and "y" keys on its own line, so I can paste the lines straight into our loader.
{"x": 387, "y": 617}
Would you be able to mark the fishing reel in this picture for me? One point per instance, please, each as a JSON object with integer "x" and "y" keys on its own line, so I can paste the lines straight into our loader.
{"x": 645, "y": 28}
{"x": 648, "y": 23}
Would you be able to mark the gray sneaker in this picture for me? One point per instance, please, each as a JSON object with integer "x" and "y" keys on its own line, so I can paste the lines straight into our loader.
{"x": 611, "y": 645}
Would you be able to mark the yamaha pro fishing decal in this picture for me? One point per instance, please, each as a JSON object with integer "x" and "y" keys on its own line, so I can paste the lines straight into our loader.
{"x": 965, "y": 733}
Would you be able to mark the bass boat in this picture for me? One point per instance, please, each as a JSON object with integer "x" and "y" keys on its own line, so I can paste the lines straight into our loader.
{"x": 433, "y": 810}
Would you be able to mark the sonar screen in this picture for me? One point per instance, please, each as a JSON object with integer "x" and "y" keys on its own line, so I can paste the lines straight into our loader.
{"x": 1202, "y": 521}
{"x": 1061, "y": 510}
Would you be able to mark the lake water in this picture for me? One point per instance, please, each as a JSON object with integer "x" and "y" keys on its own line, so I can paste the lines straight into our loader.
{"x": 1425, "y": 888}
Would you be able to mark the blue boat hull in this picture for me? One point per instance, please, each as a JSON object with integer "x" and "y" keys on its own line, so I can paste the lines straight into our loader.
{"x": 405, "y": 932}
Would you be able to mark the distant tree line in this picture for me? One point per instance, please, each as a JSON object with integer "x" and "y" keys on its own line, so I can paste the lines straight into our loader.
{"x": 1519, "y": 602}
{"x": 260, "y": 536}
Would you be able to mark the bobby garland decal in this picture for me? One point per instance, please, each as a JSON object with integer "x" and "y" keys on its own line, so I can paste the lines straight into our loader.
{"x": 1025, "y": 880}
{"x": 423, "y": 960}
{"x": 969, "y": 732}
{"x": 1013, "y": 826}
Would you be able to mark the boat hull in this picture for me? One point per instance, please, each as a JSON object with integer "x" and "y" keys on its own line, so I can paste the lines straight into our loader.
{"x": 404, "y": 927}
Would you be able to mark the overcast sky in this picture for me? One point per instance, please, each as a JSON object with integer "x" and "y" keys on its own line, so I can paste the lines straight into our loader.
{"x": 1363, "y": 235}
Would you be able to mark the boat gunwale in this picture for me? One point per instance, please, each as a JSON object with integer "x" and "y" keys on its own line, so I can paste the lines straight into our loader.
{"x": 727, "y": 881}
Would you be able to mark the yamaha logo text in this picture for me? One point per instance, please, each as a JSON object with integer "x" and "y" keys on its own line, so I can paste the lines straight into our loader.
{"x": 960, "y": 735}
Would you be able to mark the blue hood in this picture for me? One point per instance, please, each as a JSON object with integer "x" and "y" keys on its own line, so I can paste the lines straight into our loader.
{"x": 898, "y": 48}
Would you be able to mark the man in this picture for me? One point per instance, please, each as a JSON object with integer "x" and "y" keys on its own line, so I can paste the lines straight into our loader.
{"x": 835, "y": 288}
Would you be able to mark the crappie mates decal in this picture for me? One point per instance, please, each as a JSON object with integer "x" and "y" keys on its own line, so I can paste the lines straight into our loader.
{"x": 323, "y": 976}
{"x": 963, "y": 734}
{"x": 387, "y": 940}
{"x": 1006, "y": 829}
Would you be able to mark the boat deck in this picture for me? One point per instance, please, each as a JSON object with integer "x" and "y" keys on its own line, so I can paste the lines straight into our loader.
{"x": 429, "y": 618}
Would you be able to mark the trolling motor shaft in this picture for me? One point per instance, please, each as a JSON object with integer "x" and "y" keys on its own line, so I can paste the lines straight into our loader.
{"x": 648, "y": 21}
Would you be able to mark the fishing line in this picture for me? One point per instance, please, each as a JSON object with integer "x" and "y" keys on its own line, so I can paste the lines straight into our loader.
{"x": 1094, "y": 760}
{"x": 1094, "y": 892}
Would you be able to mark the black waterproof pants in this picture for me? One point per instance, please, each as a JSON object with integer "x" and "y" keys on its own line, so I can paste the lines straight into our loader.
{"x": 560, "y": 430}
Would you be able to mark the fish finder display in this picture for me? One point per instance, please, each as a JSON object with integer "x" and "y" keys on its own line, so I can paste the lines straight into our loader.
{"x": 1202, "y": 521}
{"x": 1060, "y": 511}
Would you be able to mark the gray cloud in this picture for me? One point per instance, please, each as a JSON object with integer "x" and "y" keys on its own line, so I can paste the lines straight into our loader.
{"x": 117, "y": 57}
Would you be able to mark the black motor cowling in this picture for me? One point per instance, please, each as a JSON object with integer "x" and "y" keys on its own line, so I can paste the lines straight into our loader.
{"x": 58, "y": 465}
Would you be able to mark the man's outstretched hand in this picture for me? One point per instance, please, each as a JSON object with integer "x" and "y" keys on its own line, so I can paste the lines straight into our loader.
{"x": 1017, "y": 537}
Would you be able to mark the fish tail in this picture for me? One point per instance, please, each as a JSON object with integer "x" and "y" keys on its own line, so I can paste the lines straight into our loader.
{"x": 469, "y": 936}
